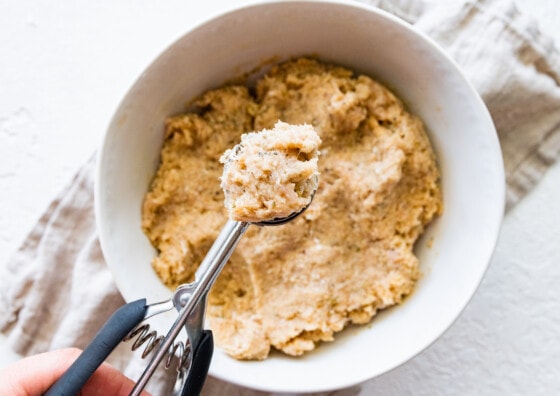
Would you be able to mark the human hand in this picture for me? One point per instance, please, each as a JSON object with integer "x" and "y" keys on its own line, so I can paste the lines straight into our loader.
{"x": 34, "y": 375}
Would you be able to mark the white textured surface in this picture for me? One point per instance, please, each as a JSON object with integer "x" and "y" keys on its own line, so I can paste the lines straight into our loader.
{"x": 66, "y": 65}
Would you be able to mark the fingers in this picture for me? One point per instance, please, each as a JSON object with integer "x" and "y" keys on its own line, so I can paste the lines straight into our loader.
{"x": 108, "y": 381}
{"x": 36, "y": 374}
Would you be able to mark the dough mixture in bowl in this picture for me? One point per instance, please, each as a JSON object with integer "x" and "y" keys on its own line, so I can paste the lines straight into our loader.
{"x": 348, "y": 256}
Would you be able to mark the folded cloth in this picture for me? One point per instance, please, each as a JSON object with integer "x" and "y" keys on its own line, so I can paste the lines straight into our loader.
{"x": 44, "y": 301}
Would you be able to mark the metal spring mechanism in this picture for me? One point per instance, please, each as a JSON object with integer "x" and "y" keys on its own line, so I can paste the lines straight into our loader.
{"x": 178, "y": 350}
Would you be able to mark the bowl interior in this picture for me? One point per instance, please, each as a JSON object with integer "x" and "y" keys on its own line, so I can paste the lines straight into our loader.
{"x": 455, "y": 250}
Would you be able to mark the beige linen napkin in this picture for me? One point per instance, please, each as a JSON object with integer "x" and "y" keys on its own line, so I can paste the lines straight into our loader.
{"x": 57, "y": 291}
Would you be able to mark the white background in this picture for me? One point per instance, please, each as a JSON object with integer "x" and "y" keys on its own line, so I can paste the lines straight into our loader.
{"x": 65, "y": 65}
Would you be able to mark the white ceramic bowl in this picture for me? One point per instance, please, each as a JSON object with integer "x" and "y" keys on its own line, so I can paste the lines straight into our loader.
{"x": 366, "y": 40}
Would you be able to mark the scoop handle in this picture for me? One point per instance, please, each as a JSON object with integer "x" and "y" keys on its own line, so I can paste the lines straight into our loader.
{"x": 111, "y": 334}
{"x": 200, "y": 364}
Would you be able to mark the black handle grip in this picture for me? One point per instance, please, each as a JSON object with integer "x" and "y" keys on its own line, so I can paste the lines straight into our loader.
{"x": 110, "y": 335}
{"x": 200, "y": 364}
